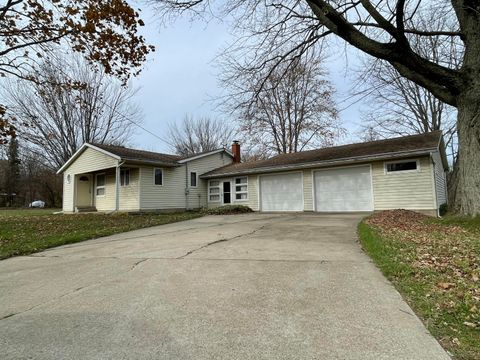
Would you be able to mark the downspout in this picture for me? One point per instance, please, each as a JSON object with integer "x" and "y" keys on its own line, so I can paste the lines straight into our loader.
{"x": 117, "y": 185}
{"x": 435, "y": 185}
{"x": 186, "y": 186}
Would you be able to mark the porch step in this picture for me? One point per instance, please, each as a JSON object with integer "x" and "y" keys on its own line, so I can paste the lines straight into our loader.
{"x": 86, "y": 209}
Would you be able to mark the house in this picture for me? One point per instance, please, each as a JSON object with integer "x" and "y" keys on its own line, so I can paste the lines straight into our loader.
{"x": 109, "y": 178}
{"x": 406, "y": 172}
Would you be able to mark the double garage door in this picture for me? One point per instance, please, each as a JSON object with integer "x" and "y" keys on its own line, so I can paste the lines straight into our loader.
{"x": 343, "y": 189}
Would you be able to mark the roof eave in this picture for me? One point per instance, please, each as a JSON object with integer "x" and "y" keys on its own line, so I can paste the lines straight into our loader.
{"x": 321, "y": 163}
{"x": 195, "y": 157}
{"x": 129, "y": 161}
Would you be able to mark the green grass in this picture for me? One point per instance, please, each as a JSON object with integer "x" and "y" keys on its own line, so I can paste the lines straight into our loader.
{"x": 26, "y": 212}
{"x": 421, "y": 262}
{"x": 24, "y": 232}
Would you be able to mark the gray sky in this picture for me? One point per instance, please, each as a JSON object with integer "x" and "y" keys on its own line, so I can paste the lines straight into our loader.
{"x": 179, "y": 78}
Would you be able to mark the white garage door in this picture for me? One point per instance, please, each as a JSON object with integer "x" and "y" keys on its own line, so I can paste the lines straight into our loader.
{"x": 346, "y": 189}
{"x": 281, "y": 192}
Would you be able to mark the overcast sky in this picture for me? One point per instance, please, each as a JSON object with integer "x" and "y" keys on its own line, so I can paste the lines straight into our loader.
{"x": 180, "y": 77}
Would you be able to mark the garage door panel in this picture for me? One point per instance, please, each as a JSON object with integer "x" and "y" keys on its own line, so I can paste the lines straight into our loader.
{"x": 346, "y": 189}
{"x": 281, "y": 192}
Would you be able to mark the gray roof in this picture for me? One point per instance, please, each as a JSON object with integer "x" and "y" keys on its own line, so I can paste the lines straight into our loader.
{"x": 134, "y": 155}
{"x": 366, "y": 150}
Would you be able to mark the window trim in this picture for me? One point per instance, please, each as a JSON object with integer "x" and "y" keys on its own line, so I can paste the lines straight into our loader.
{"x": 196, "y": 179}
{"x": 241, "y": 192}
{"x": 386, "y": 163}
{"x": 101, "y": 186}
{"x": 218, "y": 194}
{"x": 124, "y": 170}
{"x": 154, "y": 171}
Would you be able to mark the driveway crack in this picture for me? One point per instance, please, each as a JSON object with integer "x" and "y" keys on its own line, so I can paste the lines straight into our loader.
{"x": 138, "y": 263}
{"x": 219, "y": 241}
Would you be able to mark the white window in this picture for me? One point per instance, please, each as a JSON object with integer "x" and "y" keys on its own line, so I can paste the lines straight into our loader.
{"x": 193, "y": 179}
{"x": 241, "y": 188}
{"x": 214, "y": 191}
{"x": 158, "y": 177}
{"x": 124, "y": 177}
{"x": 100, "y": 185}
{"x": 401, "y": 166}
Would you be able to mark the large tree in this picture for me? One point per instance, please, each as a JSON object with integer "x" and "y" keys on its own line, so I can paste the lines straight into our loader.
{"x": 105, "y": 32}
{"x": 397, "y": 106}
{"x": 282, "y": 110}
{"x": 58, "y": 120}
{"x": 381, "y": 29}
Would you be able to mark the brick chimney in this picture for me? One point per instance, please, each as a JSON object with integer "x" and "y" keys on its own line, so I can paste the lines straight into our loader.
{"x": 236, "y": 151}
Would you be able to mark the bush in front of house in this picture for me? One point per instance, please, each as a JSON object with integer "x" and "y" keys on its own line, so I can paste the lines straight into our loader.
{"x": 229, "y": 210}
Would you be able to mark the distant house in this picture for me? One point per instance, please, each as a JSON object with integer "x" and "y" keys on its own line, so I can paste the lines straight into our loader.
{"x": 406, "y": 172}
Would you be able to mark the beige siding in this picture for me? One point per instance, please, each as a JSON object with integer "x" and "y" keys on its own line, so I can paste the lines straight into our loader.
{"x": 128, "y": 195}
{"x": 412, "y": 190}
{"x": 197, "y": 196}
{"x": 90, "y": 160}
{"x": 171, "y": 195}
{"x": 409, "y": 190}
{"x": 106, "y": 202}
{"x": 252, "y": 200}
{"x": 307, "y": 190}
{"x": 440, "y": 179}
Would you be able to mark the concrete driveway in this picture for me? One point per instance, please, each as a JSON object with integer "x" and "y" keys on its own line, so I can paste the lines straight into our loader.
{"x": 260, "y": 286}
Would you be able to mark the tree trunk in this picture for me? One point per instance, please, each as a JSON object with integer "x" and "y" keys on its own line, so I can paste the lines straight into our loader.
{"x": 465, "y": 186}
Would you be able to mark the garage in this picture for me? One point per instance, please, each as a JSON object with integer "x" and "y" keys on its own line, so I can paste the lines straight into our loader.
{"x": 344, "y": 189}
{"x": 281, "y": 192}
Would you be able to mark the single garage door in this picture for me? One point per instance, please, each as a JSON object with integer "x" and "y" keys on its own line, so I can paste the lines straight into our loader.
{"x": 346, "y": 189}
{"x": 281, "y": 192}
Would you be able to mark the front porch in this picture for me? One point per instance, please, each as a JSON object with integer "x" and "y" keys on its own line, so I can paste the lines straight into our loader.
{"x": 111, "y": 189}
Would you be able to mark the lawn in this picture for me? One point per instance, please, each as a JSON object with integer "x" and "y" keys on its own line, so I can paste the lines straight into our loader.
{"x": 27, "y": 231}
{"x": 435, "y": 265}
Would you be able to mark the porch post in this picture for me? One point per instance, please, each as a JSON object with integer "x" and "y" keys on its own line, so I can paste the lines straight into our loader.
{"x": 117, "y": 187}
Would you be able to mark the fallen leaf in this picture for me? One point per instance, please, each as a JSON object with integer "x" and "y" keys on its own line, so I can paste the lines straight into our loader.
{"x": 445, "y": 285}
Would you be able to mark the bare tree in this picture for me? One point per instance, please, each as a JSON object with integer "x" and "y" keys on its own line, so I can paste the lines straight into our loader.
{"x": 104, "y": 33}
{"x": 198, "y": 135}
{"x": 383, "y": 30}
{"x": 398, "y": 106}
{"x": 289, "y": 110}
{"x": 58, "y": 120}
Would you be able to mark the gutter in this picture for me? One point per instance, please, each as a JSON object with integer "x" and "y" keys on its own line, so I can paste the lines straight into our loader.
{"x": 279, "y": 168}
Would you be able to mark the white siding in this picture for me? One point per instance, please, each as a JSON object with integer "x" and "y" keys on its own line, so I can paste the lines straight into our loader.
{"x": 89, "y": 160}
{"x": 440, "y": 179}
{"x": 409, "y": 190}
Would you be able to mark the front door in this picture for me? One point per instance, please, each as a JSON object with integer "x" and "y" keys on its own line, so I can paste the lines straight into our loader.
{"x": 227, "y": 195}
{"x": 84, "y": 190}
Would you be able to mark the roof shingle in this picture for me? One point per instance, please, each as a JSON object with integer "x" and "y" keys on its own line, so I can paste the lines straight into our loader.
{"x": 410, "y": 143}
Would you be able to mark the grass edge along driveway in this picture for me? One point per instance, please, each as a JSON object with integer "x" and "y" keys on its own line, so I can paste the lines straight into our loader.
{"x": 435, "y": 265}
{"x": 23, "y": 232}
